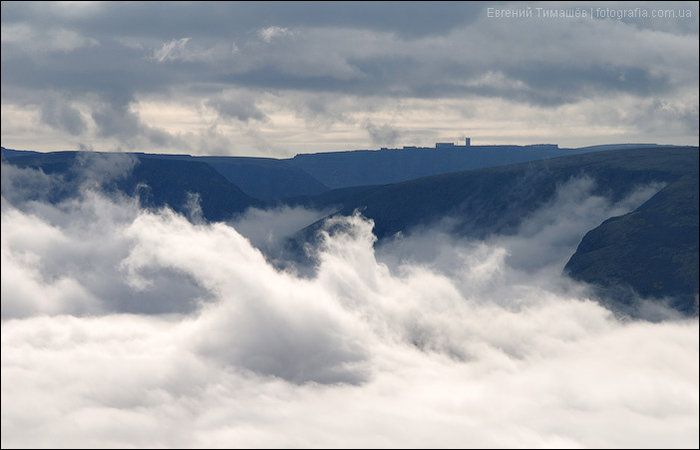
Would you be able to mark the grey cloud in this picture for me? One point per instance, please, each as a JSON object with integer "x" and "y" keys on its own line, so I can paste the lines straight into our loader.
{"x": 435, "y": 69}
{"x": 199, "y": 53}
{"x": 314, "y": 346}
{"x": 63, "y": 116}
{"x": 102, "y": 168}
{"x": 107, "y": 71}
{"x": 22, "y": 185}
{"x": 360, "y": 62}
{"x": 382, "y": 134}
{"x": 546, "y": 83}
{"x": 268, "y": 76}
{"x": 212, "y": 142}
{"x": 267, "y": 229}
{"x": 120, "y": 122}
{"x": 39, "y": 41}
{"x": 25, "y": 186}
{"x": 240, "y": 106}
{"x": 662, "y": 116}
{"x": 218, "y": 18}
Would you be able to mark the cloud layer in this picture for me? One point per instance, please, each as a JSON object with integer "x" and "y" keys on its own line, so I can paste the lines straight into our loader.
{"x": 125, "y": 327}
{"x": 247, "y": 79}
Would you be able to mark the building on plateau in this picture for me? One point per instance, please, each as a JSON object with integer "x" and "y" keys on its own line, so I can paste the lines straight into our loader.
{"x": 468, "y": 145}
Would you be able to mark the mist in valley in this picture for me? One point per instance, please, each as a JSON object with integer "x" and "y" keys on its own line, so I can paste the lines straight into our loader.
{"x": 132, "y": 326}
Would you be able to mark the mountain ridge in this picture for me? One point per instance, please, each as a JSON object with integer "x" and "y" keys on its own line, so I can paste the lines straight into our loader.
{"x": 628, "y": 253}
{"x": 494, "y": 201}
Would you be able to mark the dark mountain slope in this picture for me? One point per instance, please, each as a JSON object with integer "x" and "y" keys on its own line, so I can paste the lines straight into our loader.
{"x": 494, "y": 200}
{"x": 653, "y": 250}
{"x": 370, "y": 167}
{"x": 157, "y": 182}
{"x": 265, "y": 178}
{"x": 170, "y": 182}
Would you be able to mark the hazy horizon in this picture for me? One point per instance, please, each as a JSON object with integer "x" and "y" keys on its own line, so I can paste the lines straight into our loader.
{"x": 351, "y": 150}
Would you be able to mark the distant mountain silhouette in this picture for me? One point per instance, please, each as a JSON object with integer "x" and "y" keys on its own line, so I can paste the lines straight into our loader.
{"x": 270, "y": 179}
{"x": 266, "y": 179}
{"x": 373, "y": 167}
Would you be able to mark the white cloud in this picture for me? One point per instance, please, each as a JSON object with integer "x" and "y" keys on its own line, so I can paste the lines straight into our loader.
{"x": 270, "y": 33}
{"x": 374, "y": 350}
{"x": 38, "y": 41}
{"x": 171, "y": 51}
{"x": 267, "y": 229}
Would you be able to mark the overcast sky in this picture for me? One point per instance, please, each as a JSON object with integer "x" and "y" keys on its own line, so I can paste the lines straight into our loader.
{"x": 276, "y": 79}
